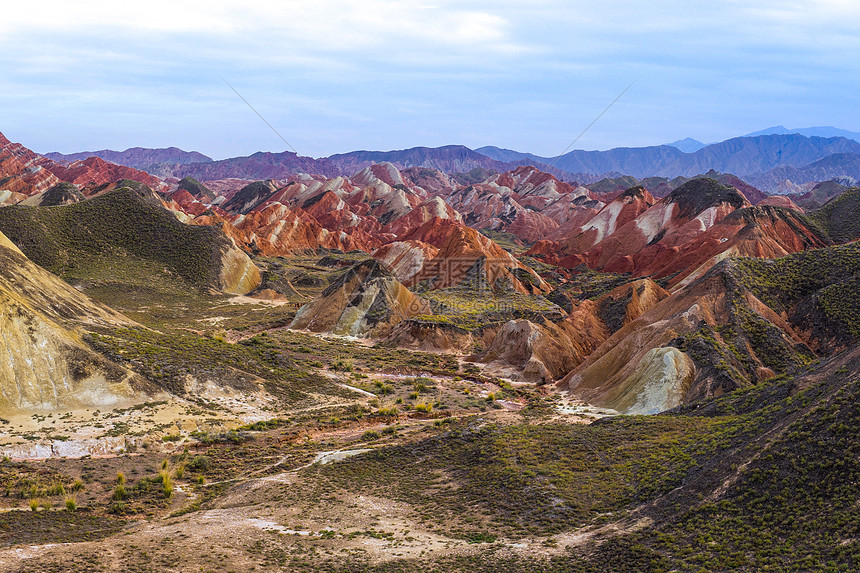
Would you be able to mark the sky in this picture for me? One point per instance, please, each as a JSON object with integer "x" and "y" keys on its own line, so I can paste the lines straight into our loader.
{"x": 333, "y": 76}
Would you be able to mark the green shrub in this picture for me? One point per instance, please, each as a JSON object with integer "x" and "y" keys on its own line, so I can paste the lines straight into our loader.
{"x": 424, "y": 408}
{"x": 369, "y": 436}
{"x": 200, "y": 462}
{"x": 56, "y": 489}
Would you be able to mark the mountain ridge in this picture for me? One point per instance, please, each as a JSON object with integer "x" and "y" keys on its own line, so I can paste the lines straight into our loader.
{"x": 770, "y": 159}
{"x": 137, "y": 157}
{"x": 821, "y": 131}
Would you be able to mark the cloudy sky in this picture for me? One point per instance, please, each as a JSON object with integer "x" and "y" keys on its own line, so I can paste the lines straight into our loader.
{"x": 334, "y": 76}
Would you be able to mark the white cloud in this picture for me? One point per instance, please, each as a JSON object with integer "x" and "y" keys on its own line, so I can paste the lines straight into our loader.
{"x": 324, "y": 25}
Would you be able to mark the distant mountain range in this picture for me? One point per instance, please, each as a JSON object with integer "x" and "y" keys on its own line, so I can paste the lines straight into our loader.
{"x": 742, "y": 156}
{"x": 266, "y": 165}
{"x": 822, "y": 131}
{"x": 772, "y": 161}
{"x": 137, "y": 157}
{"x": 449, "y": 158}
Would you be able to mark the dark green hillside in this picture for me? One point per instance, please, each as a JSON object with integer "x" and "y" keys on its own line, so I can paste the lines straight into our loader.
{"x": 819, "y": 289}
{"x": 124, "y": 235}
{"x": 697, "y": 195}
{"x": 840, "y": 217}
{"x": 196, "y": 188}
{"x": 61, "y": 194}
{"x": 792, "y": 507}
{"x": 167, "y": 359}
{"x": 540, "y": 479}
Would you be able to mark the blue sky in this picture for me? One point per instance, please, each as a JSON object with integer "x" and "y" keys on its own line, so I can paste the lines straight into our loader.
{"x": 335, "y": 76}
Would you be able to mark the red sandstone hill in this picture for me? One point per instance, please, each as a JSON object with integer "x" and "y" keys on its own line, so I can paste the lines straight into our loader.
{"x": 22, "y": 172}
{"x": 96, "y": 171}
{"x": 682, "y": 235}
{"x": 679, "y": 236}
{"x": 466, "y": 256}
{"x": 626, "y": 233}
{"x": 525, "y": 202}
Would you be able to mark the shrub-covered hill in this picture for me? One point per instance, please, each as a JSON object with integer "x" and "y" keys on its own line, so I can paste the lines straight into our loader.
{"x": 764, "y": 479}
{"x": 818, "y": 290}
{"x": 127, "y": 235}
{"x": 745, "y": 321}
{"x": 196, "y": 188}
{"x": 840, "y": 217}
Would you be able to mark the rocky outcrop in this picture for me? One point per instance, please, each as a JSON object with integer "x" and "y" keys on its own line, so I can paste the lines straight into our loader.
{"x": 682, "y": 235}
{"x": 237, "y": 273}
{"x": 538, "y": 353}
{"x": 525, "y": 202}
{"x": 278, "y": 230}
{"x": 197, "y": 189}
{"x": 659, "y": 382}
{"x": 708, "y": 338}
{"x": 44, "y": 365}
{"x": 405, "y": 259}
{"x": 250, "y": 197}
{"x": 779, "y": 201}
{"x": 365, "y": 301}
{"x": 759, "y": 232}
{"x": 466, "y": 257}
{"x": 434, "y": 208}
{"x": 22, "y": 172}
{"x": 546, "y": 350}
{"x": 430, "y": 336}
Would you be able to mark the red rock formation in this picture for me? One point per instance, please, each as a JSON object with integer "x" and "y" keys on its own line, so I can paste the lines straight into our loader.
{"x": 779, "y": 201}
{"x": 430, "y": 209}
{"x": 546, "y": 351}
{"x": 426, "y": 181}
{"x": 622, "y": 211}
{"x": 632, "y": 230}
{"x": 531, "y": 226}
{"x": 22, "y": 172}
{"x": 760, "y": 232}
{"x": 385, "y": 172}
{"x": 638, "y": 370}
{"x": 277, "y": 230}
{"x": 465, "y": 255}
{"x": 527, "y": 202}
{"x": 96, "y": 171}
{"x": 188, "y": 203}
{"x": 405, "y": 259}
